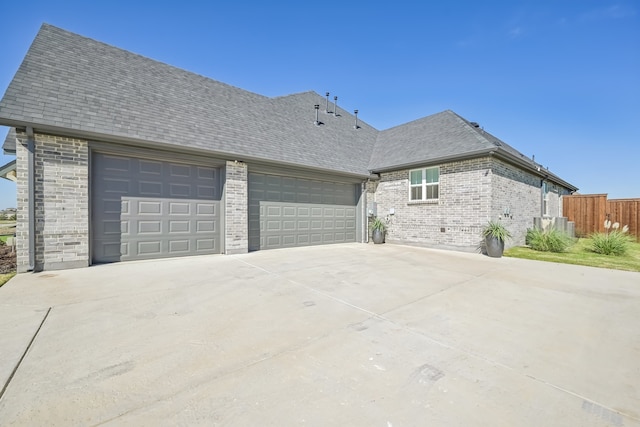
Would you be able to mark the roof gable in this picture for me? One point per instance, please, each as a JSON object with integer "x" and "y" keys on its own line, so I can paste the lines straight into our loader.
{"x": 440, "y": 136}
{"x": 9, "y": 146}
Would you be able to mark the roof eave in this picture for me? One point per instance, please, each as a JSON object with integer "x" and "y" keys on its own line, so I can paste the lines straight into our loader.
{"x": 435, "y": 161}
{"x": 527, "y": 165}
{"x": 534, "y": 168}
{"x": 8, "y": 171}
{"x": 117, "y": 139}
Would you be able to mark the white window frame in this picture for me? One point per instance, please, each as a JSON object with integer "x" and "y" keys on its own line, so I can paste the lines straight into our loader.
{"x": 424, "y": 185}
{"x": 545, "y": 199}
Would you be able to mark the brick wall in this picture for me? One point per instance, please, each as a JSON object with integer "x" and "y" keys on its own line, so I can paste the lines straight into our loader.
{"x": 236, "y": 208}
{"x": 453, "y": 221}
{"x": 516, "y": 199}
{"x": 61, "y": 203}
{"x": 472, "y": 192}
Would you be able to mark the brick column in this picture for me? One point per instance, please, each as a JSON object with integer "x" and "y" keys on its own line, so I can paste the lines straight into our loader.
{"x": 61, "y": 204}
{"x": 236, "y": 202}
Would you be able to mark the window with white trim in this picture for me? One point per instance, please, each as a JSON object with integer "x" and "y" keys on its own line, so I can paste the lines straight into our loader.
{"x": 545, "y": 198}
{"x": 424, "y": 184}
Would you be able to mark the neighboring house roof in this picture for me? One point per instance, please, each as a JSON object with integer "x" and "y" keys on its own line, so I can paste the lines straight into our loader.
{"x": 8, "y": 171}
{"x": 72, "y": 85}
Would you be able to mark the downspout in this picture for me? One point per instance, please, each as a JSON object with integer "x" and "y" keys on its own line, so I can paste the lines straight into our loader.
{"x": 363, "y": 212}
{"x": 31, "y": 166}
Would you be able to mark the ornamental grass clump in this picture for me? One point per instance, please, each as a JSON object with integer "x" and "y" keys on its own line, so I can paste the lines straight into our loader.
{"x": 550, "y": 240}
{"x": 496, "y": 230}
{"x": 613, "y": 241}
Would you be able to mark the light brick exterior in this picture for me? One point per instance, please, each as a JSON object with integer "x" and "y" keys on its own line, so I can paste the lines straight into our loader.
{"x": 236, "y": 221}
{"x": 61, "y": 203}
{"x": 471, "y": 193}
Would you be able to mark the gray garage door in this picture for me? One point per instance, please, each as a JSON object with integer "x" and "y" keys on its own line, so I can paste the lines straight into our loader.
{"x": 288, "y": 211}
{"x": 144, "y": 209}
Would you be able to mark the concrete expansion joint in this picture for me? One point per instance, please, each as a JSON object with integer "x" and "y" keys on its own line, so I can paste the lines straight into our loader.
{"x": 26, "y": 350}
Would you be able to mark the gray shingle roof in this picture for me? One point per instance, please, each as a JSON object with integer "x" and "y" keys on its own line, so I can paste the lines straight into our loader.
{"x": 72, "y": 83}
{"x": 440, "y": 136}
{"x": 9, "y": 146}
{"x": 76, "y": 86}
{"x": 443, "y": 137}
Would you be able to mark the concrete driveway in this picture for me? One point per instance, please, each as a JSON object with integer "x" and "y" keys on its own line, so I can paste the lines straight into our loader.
{"x": 356, "y": 335}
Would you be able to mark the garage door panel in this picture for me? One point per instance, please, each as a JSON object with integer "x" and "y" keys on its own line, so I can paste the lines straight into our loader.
{"x": 179, "y": 246}
{"x": 179, "y": 208}
{"x": 150, "y": 227}
{"x": 206, "y": 208}
{"x": 203, "y": 226}
{"x": 206, "y": 246}
{"x": 159, "y": 214}
{"x": 150, "y": 189}
{"x": 150, "y": 247}
{"x": 176, "y": 226}
{"x": 150, "y": 167}
{"x": 179, "y": 171}
{"x": 179, "y": 190}
{"x": 115, "y": 163}
{"x": 206, "y": 173}
{"x": 206, "y": 192}
{"x": 114, "y": 185}
{"x": 303, "y": 225}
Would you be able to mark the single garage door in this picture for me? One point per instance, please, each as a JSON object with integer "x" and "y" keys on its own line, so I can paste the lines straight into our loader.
{"x": 143, "y": 208}
{"x": 288, "y": 211}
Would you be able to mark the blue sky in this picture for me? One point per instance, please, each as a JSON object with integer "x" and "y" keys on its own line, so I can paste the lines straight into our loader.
{"x": 556, "y": 79}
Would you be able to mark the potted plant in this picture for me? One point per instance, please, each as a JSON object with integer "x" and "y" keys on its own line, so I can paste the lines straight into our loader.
{"x": 379, "y": 227}
{"x": 495, "y": 234}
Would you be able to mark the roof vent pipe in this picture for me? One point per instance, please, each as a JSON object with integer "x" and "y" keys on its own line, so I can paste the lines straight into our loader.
{"x": 316, "y": 122}
{"x": 335, "y": 106}
{"x": 326, "y": 108}
{"x": 355, "y": 126}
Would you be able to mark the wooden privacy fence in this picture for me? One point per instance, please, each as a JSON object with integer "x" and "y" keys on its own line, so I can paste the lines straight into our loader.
{"x": 588, "y": 212}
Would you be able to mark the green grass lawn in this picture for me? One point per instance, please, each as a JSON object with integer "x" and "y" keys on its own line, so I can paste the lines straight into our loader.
{"x": 4, "y": 238}
{"x": 4, "y": 278}
{"x": 580, "y": 254}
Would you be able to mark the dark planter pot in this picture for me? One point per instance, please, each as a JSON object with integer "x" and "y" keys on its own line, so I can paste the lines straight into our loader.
{"x": 378, "y": 236}
{"x": 495, "y": 246}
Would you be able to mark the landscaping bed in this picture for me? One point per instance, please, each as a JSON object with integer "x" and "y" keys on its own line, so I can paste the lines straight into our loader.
{"x": 7, "y": 259}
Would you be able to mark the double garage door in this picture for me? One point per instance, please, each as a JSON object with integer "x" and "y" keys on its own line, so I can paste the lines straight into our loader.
{"x": 147, "y": 208}
{"x": 289, "y": 211}
{"x": 143, "y": 208}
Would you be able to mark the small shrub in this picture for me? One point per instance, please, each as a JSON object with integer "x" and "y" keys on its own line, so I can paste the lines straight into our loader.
{"x": 547, "y": 241}
{"x": 611, "y": 243}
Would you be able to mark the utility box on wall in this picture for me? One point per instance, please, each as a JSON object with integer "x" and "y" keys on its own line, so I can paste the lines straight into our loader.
{"x": 372, "y": 209}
